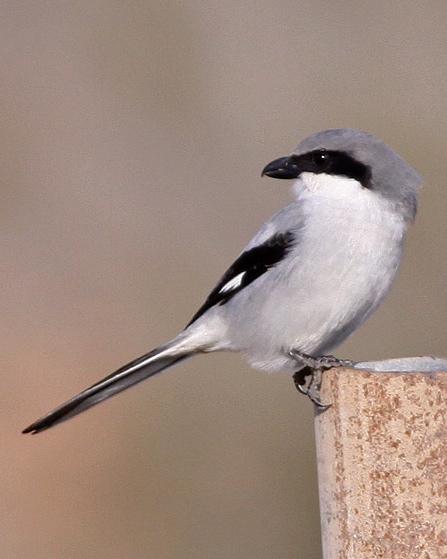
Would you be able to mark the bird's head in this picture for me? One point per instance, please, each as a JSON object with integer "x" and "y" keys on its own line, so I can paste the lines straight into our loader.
{"x": 344, "y": 161}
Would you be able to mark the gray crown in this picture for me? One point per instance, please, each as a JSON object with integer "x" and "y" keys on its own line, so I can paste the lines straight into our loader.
{"x": 391, "y": 176}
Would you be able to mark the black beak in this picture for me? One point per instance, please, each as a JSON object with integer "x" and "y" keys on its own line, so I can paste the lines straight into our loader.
{"x": 282, "y": 168}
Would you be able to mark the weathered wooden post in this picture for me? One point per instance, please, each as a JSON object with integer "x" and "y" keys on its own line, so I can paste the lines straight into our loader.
{"x": 382, "y": 461}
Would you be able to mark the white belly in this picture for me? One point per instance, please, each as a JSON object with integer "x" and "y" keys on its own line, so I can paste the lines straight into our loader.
{"x": 345, "y": 261}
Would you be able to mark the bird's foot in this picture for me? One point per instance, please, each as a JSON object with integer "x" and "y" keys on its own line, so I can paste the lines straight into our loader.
{"x": 308, "y": 382}
{"x": 308, "y": 379}
{"x": 324, "y": 362}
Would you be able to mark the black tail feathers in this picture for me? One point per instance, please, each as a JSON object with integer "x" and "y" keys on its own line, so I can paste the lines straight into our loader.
{"x": 134, "y": 372}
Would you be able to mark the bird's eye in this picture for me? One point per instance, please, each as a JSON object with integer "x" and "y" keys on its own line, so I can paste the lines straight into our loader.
{"x": 320, "y": 158}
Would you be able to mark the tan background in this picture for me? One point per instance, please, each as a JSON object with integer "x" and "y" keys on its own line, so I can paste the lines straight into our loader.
{"x": 132, "y": 138}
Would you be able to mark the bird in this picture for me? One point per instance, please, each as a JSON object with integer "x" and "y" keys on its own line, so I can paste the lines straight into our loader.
{"x": 311, "y": 275}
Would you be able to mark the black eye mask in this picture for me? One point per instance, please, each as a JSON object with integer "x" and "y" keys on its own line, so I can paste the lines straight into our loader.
{"x": 331, "y": 162}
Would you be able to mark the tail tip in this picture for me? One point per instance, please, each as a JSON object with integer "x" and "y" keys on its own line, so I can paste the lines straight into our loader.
{"x": 34, "y": 428}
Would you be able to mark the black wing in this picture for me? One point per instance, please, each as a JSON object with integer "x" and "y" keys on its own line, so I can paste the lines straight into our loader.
{"x": 249, "y": 266}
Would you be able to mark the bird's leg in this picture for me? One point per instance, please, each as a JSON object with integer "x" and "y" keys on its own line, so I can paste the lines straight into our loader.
{"x": 313, "y": 370}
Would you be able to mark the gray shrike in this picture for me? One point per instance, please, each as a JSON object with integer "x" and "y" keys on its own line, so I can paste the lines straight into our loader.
{"x": 311, "y": 275}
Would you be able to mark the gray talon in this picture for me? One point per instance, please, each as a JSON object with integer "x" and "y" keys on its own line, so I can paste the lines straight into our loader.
{"x": 322, "y": 362}
{"x": 311, "y": 387}
{"x": 313, "y": 370}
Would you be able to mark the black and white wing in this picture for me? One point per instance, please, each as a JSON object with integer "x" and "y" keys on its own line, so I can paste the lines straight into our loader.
{"x": 251, "y": 264}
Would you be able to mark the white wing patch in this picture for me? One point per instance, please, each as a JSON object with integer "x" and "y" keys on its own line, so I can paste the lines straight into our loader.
{"x": 234, "y": 283}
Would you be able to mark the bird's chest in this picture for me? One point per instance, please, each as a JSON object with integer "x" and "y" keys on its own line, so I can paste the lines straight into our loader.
{"x": 354, "y": 249}
{"x": 343, "y": 268}
{"x": 348, "y": 228}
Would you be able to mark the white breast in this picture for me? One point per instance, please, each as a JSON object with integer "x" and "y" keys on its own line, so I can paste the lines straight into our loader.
{"x": 360, "y": 238}
{"x": 345, "y": 260}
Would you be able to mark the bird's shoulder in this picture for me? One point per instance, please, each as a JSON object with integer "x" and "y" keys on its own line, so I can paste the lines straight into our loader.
{"x": 268, "y": 247}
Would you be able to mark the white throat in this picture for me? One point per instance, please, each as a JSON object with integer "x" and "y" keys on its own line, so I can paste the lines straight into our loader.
{"x": 328, "y": 186}
{"x": 336, "y": 201}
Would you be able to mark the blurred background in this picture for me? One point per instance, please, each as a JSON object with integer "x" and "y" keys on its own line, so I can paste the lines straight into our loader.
{"x": 132, "y": 138}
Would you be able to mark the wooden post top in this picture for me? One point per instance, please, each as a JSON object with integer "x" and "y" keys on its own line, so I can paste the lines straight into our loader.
{"x": 382, "y": 465}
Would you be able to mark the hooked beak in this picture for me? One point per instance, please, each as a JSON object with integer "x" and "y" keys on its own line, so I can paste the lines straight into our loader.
{"x": 282, "y": 168}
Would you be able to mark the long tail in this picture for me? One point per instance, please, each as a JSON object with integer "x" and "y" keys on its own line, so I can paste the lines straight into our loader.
{"x": 134, "y": 372}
